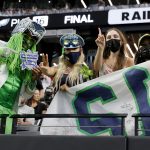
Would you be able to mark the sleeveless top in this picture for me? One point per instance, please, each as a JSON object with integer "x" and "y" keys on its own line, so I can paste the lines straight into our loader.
{"x": 65, "y": 80}
{"x": 106, "y": 69}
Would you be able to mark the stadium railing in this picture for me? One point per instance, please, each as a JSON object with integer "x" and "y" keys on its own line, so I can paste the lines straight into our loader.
{"x": 121, "y": 116}
{"x": 138, "y": 117}
{"x": 3, "y": 118}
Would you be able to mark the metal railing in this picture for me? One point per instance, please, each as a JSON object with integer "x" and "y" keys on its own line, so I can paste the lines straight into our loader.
{"x": 36, "y": 116}
{"x": 138, "y": 117}
{"x": 3, "y": 118}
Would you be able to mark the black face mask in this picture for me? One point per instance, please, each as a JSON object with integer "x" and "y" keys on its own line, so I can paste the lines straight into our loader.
{"x": 113, "y": 45}
{"x": 143, "y": 54}
{"x": 72, "y": 57}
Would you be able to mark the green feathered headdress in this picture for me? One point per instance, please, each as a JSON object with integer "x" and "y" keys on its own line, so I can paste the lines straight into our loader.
{"x": 13, "y": 60}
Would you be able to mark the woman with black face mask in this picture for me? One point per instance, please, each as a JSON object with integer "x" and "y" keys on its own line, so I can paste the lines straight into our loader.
{"x": 143, "y": 53}
{"x": 71, "y": 69}
{"x": 111, "y": 53}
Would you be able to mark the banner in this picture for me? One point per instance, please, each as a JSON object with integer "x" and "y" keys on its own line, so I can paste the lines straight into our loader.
{"x": 123, "y": 91}
{"x": 129, "y": 16}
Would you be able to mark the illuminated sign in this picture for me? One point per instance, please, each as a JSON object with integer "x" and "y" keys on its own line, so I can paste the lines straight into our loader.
{"x": 42, "y": 20}
{"x": 129, "y": 16}
{"x": 72, "y": 19}
{"x": 4, "y": 22}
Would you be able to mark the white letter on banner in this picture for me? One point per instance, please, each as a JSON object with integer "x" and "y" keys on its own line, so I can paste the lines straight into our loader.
{"x": 67, "y": 18}
{"x": 14, "y": 21}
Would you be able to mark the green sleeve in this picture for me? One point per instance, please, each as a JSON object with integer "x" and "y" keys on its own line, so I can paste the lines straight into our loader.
{"x": 1, "y": 52}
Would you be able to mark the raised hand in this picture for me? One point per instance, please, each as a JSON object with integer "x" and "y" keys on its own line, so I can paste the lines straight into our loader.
{"x": 44, "y": 60}
{"x": 100, "y": 41}
{"x": 45, "y": 69}
{"x": 36, "y": 73}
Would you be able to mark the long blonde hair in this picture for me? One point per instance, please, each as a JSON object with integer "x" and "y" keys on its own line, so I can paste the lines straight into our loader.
{"x": 73, "y": 76}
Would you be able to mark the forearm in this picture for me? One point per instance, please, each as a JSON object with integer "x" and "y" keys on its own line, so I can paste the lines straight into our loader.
{"x": 49, "y": 71}
{"x": 6, "y": 52}
{"x": 27, "y": 90}
{"x": 98, "y": 61}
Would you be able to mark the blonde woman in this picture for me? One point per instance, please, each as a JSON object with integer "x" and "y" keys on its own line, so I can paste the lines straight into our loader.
{"x": 111, "y": 53}
{"x": 71, "y": 69}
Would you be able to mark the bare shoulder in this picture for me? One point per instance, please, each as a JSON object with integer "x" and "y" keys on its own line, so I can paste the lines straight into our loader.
{"x": 130, "y": 61}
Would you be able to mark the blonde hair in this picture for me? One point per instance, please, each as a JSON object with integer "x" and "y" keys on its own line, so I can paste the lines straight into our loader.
{"x": 73, "y": 76}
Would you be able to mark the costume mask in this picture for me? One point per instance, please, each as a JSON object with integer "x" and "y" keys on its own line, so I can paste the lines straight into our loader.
{"x": 28, "y": 42}
{"x": 113, "y": 45}
{"x": 35, "y": 29}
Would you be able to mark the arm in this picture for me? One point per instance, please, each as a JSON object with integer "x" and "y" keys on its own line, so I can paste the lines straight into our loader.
{"x": 4, "y": 50}
{"x": 98, "y": 61}
{"x": 29, "y": 88}
{"x": 49, "y": 71}
{"x": 130, "y": 62}
{"x": 44, "y": 66}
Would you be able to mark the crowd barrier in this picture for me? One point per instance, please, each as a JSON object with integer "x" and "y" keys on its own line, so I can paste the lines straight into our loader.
{"x": 137, "y": 117}
{"x": 121, "y": 116}
{"x": 17, "y": 142}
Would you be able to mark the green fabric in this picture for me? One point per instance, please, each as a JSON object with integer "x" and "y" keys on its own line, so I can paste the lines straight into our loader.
{"x": 1, "y": 51}
{"x": 86, "y": 72}
{"x": 62, "y": 51}
{"x": 10, "y": 90}
{"x": 4, "y": 110}
{"x": 13, "y": 61}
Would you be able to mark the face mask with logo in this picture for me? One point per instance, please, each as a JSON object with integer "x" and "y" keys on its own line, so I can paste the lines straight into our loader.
{"x": 113, "y": 45}
{"x": 72, "y": 57}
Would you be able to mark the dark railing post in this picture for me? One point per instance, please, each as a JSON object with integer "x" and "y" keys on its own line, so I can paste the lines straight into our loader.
{"x": 14, "y": 126}
{"x": 136, "y": 126}
{"x": 136, "y": 117}
{"x": 122, "y": 125}
{"x": 3, "y": 123}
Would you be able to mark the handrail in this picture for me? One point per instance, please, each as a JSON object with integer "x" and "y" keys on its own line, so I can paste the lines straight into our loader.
{"x": 136, "y": 120}
{"x": 16, "y": 116}
{"x": 67, "y": 115}
{"x": 3, "y": 118}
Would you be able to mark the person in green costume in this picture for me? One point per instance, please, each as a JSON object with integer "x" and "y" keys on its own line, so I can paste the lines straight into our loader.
{"x": 16, "y": 81}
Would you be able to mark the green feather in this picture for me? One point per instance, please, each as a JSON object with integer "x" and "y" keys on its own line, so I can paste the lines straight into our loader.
{"x": 13, "y": 61}
{"x": 86, "y": 72}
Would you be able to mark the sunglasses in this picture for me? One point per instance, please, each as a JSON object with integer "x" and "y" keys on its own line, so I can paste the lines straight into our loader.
{"x": 69, "y": 42}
